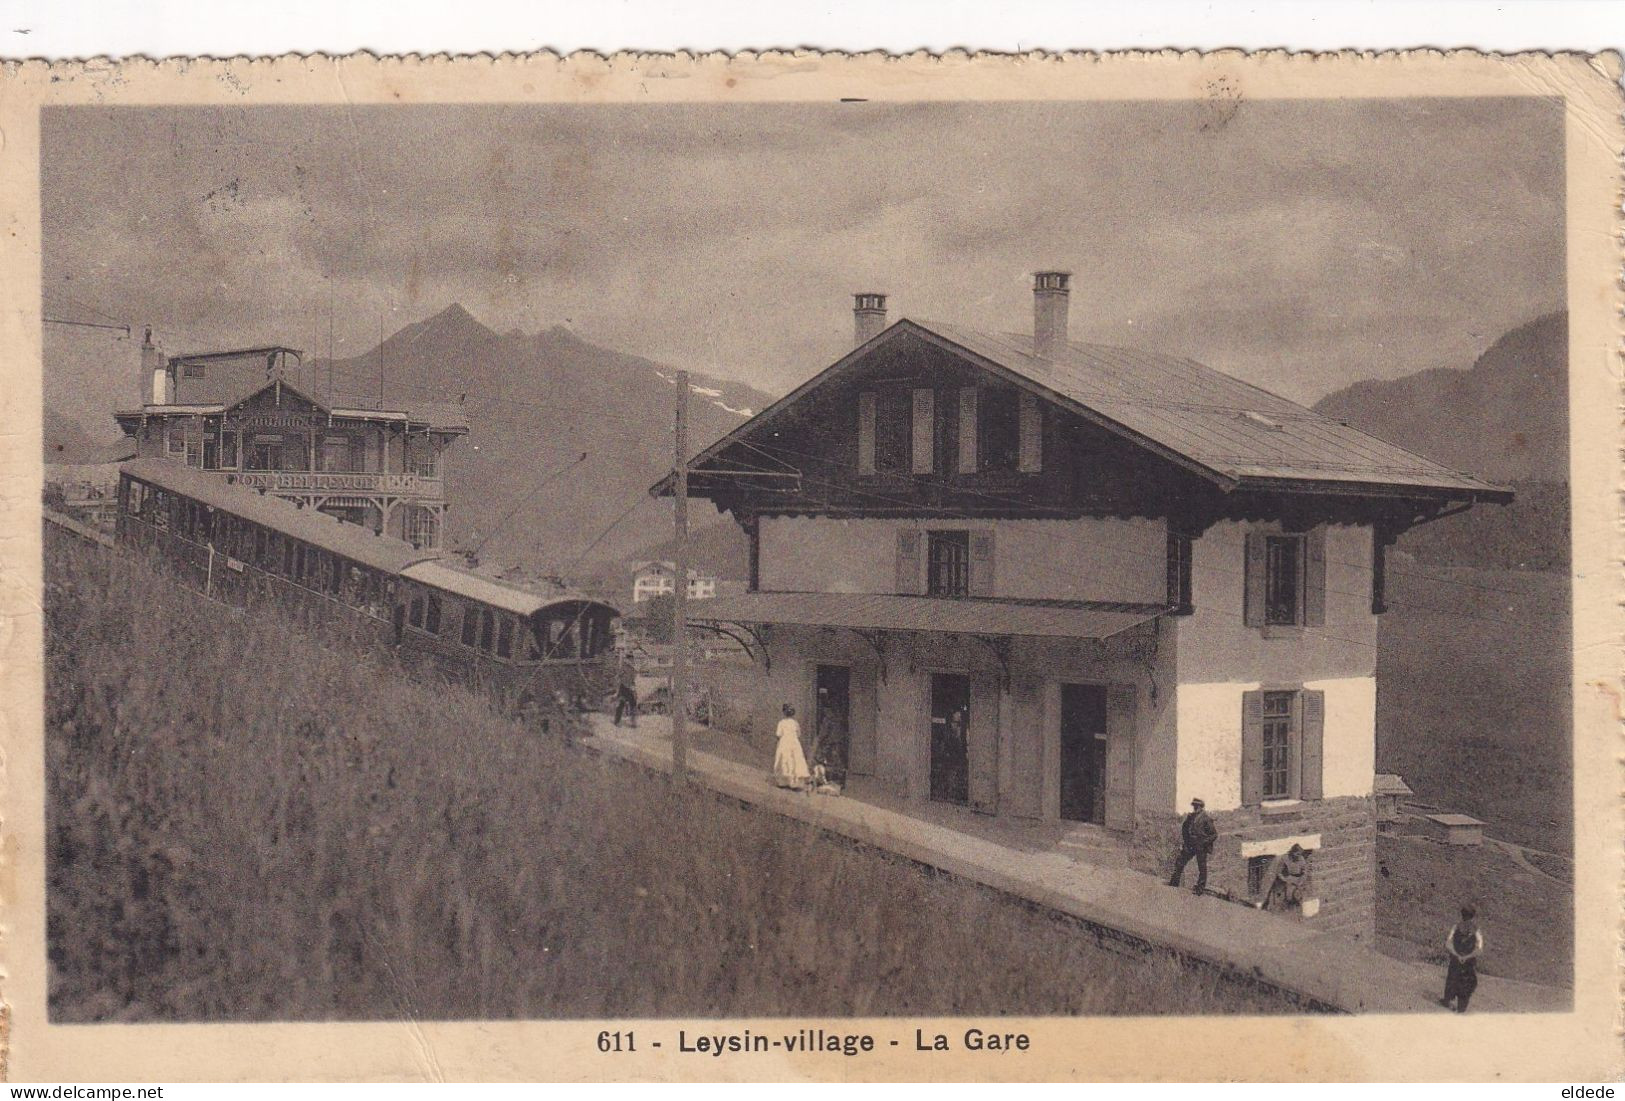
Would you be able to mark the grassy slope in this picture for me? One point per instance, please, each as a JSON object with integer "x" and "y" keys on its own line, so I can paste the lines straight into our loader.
{"x": 242, "y": 825}
{"x": 1526, "y": 916}
{"x": 1474, "y": 702}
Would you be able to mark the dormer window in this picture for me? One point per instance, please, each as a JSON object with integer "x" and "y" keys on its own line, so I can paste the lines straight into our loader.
{"x": 892, "y": 430}
{"x": 999, "y": 411}
{"x": 192, "y": 370}
{"x": 1010, "y": 430}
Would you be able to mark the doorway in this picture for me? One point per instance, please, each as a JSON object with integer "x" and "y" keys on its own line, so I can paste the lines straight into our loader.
{"x": 832, "y": 720}
{"x": 950, "y": 723}
{"x": 1083, "y": 753}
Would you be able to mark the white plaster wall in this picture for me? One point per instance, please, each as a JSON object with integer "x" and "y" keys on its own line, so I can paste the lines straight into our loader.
{"x": 1215, "y": 643}
{"x": 1209, "y": 746}
{"x": 1350, "y": 766}
{"x": 1085, "y": 559}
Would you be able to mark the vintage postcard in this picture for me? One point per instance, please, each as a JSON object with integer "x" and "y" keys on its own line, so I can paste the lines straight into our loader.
{"x": 805, "y": 566}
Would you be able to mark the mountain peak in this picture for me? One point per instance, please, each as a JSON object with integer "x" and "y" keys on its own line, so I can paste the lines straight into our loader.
{"x": 453, "y": 316}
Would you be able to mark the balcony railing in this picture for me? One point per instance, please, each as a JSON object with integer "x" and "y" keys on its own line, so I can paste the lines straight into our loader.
{"x": 328, "y": 481}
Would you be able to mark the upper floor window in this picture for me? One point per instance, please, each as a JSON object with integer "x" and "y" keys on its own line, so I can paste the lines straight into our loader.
{"x": 952, "y": 563}
{"x": 192, "y": 370}
{"x": 948, "y": 563}
{"x": 1285, "y": 579}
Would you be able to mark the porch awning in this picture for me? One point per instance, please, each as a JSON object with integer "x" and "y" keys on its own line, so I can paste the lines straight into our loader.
{"x": 887, "y": 612}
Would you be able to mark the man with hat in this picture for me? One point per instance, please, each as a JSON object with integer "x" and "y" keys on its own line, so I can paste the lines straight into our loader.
{"x": 1196, "y": 836}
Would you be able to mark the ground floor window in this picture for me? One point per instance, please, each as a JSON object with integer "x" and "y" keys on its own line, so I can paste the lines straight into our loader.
{"x": 1257, "y": 868}
{"x": 1277, "y": 763}
{"x": 422, "y": 528}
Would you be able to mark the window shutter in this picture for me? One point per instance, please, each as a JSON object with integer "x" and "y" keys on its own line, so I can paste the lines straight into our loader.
{"x": 866, "y": 433}
{"x": 1253, "y": 615}
{"x": 1379, "y": 573}
{"x": 908, "y": 562}
{"x": 1120, "y": 723}
{"x": 924, "y": 437}
{"x": 981, "y": 562}
{"x": 967, "y": 430}
{"x": 1032, "y": 434}
{"x": 1314, "y": 577}
{"x": 1252, "y": 748}
{"x": 1311, "y": 739}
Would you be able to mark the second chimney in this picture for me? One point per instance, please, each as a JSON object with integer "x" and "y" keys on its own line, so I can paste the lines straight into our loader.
{"x": 1050, "y": 295}
{"x": 154, "y": 372}
{"x": 868, "y": 317}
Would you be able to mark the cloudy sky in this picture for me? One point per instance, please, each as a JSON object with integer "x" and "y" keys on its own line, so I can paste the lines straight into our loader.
{"x": 1298, "y": 245}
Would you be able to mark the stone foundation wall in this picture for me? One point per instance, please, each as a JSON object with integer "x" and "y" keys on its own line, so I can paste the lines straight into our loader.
{"x": 1344, "y": 867}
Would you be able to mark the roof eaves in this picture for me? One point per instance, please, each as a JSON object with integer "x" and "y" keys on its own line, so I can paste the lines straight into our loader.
{"x": 1482, "y": 492}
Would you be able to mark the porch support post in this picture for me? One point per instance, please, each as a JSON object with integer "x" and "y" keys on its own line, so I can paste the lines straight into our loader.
{"x": 1006, "y": 733}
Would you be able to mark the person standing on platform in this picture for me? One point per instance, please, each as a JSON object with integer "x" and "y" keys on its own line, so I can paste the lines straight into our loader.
{"x": 789, "y": 762}
{"x": 1197, "y": 833}
{"x": 626, "y": 693}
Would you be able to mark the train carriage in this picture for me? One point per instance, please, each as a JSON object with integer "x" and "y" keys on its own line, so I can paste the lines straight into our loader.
{"x": 236, "y": 543}
{"x": 523, "y": 644}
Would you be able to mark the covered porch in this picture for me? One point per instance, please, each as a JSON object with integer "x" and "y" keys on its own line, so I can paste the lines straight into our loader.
{"x": 1033, "y": 711}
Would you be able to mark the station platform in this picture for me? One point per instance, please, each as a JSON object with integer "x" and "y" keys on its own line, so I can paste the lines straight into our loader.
{"x": 1320, "y": 969}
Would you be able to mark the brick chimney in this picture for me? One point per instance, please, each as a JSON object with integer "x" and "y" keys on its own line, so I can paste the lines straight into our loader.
{"x": 1050, "y": 295}
{"x": 868, "y": 317}
{"x": 154, "y": 372}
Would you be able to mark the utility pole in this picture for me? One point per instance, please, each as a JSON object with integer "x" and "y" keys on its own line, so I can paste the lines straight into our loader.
{"x": 679, "y": 591}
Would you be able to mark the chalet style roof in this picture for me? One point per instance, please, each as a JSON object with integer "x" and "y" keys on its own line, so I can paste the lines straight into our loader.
{"x": 352, "y": 541}
{"x": 1234, "y": 433}
{"x": 437, "y": 416}
{"x": 487, "y": 591}
{"x": 967, "y": 616}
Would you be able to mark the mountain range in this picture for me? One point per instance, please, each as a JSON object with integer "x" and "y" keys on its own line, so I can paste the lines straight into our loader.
{"x": 1504, "y": 418}
{"x": 567, "y": 435}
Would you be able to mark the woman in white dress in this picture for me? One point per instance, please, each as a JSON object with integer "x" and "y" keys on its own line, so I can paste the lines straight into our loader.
{"x": 789, "y": 762}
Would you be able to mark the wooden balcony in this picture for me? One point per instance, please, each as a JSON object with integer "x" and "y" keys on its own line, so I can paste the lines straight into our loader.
{"x": 326, "y": 483}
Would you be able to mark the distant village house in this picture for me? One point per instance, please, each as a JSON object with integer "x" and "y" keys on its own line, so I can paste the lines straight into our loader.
{"x": 652, "y": 579}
